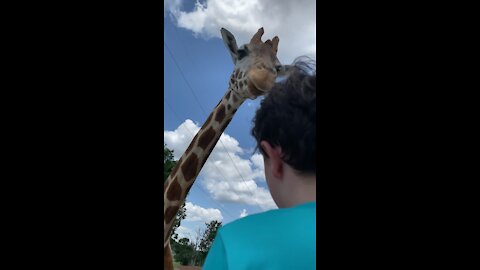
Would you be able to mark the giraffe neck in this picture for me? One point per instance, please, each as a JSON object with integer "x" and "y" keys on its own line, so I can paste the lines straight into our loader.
{"x": 188, "y": 167}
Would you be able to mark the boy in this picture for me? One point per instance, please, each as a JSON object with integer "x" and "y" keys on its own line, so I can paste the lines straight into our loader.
{"x": 285, "y": 130}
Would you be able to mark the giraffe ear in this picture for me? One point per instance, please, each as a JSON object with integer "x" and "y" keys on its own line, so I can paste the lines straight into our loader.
{"x": 230, "y": 43}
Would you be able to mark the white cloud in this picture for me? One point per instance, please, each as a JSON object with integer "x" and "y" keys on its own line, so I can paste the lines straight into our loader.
{"x": 243, "y": 213}
{"x": 294, "y": 22}
{"x": 171, "y": 6}
{"x": 190, "y": 233}
{"x": 198, "y": 213}
{"x": 257, "y": 160}
{"x": 226, "y": 176}
{"x": 179, "y": 139}
{"x": 184, "y": 232}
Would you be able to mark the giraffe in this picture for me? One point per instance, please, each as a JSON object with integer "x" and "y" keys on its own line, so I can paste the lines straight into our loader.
{"x": 256, "y": 68}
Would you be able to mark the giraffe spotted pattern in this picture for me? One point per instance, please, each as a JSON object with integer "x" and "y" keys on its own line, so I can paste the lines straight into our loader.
{"x": 170, "y": 213}
{"x": 189, "y": 168}
{"x": 174, "y": 192}
{"x": 206, "y": 138}
{"x": 220, "y": 115}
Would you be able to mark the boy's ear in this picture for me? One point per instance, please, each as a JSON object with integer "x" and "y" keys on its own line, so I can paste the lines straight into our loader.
{"x": 274, "y": 155}
{"x": 230, "y": 43}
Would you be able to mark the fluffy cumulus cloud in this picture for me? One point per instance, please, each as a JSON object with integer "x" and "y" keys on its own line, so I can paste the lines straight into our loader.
{"x": 198, "y": 213}
{"x": 243, "y": 213}
{"x": 292, "y": 21}
{"x": 226, "y": 176}
{"x": 257, "y": 160}
{"x": 179, "y": 139}
{"x": 194, "y": 222}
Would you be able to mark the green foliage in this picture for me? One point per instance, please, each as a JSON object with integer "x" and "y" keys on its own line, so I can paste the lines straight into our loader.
{"x": 183, "y": 250}
{"x": 208, "y": 237}
{"x": 168, "y": 162}
{"x": 178, "y": 219}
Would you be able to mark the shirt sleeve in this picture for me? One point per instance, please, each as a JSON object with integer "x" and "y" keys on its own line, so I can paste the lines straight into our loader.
{"x": 216, "y": 257}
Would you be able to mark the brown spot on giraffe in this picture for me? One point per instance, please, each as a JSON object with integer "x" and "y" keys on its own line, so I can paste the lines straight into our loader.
{"x": 170, "y": 213}
{"x": 220, "y": 114}
{"x": 174, "y": 192}
{"x": 206, "y": 138}
{"x": 228, "y": 107}
{"x": 241, "y": 84}
{"x": 189, "y": 168}
{"x": 227, "y": 97}
{"x": 235, "y": 99}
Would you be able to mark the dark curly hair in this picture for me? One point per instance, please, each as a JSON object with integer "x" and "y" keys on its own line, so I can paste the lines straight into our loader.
{"x": 287, "y": 117}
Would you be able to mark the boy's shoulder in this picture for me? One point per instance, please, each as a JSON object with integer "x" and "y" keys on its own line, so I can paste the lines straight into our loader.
{"x": 267, "y": 218}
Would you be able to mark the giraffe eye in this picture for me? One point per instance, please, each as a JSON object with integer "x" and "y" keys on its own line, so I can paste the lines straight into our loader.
{"x": 241, "y": 53}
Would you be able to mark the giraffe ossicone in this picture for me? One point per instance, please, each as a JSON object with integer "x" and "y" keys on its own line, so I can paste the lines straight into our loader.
{"x": 256, "y": 68}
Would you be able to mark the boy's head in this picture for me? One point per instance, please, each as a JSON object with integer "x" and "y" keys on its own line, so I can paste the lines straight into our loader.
{"x": 285, "y": 130}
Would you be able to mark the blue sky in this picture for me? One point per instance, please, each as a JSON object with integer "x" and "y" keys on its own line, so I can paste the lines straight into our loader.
{"x": 197, "y": 67}
{"x": 206, "y": 65}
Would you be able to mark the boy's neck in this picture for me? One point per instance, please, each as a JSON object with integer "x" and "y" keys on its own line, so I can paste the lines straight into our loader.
{"x": 300, "y": 191}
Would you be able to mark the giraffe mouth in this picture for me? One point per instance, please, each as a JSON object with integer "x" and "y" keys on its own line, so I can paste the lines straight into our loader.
{"x": 260, "y": 82}
{"x": 254, "y": 90}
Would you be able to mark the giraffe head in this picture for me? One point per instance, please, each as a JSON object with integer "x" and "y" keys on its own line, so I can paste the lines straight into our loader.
{"x": 256, "y": 64}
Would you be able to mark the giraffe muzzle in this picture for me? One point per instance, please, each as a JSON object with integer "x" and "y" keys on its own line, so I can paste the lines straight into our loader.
{"x": 260, "y": 81}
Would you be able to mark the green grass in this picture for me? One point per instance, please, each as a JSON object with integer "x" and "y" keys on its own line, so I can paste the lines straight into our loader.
{"x": 176, "y": 264}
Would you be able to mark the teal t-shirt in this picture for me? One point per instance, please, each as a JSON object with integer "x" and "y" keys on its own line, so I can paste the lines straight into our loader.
{"x": 277, "y": 239}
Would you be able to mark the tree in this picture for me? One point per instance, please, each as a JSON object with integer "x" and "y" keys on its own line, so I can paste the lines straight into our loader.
{"x": 168, "y": 162}
{"x": 208, "y": 236}
{"x": 197, "y": 256}
{"x": 183, "y": 250}
{"x": 168, "y": 165}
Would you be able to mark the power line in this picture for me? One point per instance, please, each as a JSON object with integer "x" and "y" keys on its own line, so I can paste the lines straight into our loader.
{"x": 183, "y": 45}
{"x": 203, "y": 110}
{"x": 183, "y": 76}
